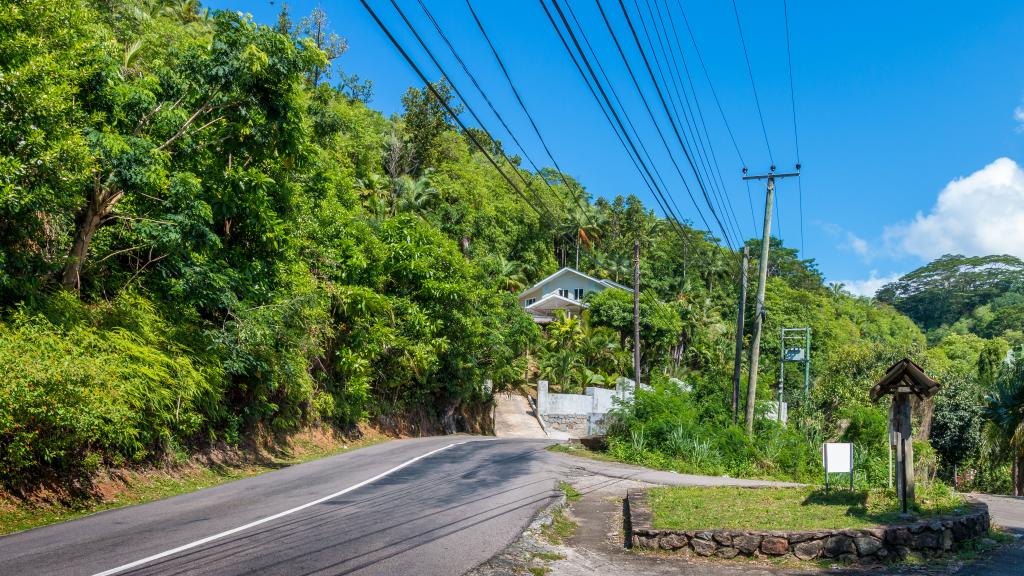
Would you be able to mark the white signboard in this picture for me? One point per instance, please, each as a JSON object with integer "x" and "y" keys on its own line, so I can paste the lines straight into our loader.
{"x": 837, "y": 457}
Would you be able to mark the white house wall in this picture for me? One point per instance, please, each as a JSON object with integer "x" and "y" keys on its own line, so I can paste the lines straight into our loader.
{"x": 568, "y": 404}
{"x": 567, "y": 281}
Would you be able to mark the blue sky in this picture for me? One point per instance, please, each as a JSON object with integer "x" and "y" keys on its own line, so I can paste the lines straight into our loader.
{"x": 909, "y": 113}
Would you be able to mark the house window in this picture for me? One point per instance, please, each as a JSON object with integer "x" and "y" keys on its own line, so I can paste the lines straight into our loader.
{"x": 529, "y": 302}
{"x": 577, "y": 294}
{"x": 563, "y": 292}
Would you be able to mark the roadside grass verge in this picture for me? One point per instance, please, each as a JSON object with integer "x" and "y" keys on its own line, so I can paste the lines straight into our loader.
{"x": 561, "y": 527}
{"x": 127, "y": 487}
{"x": 692, "y": 508}
{"x": 579, "y": 450}
{"x": 659, "y": 461}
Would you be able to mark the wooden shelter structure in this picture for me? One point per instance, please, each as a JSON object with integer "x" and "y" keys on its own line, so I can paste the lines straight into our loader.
{"x": 905, "y": 380}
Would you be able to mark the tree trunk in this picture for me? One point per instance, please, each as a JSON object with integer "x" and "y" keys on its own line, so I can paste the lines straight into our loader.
{"x": 97, "y": 208}
{"x": 1018, "y": 475}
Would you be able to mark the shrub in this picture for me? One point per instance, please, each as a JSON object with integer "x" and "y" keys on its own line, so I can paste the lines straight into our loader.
{"x": 76, "y": 394}
{"x": 691, "y": 431}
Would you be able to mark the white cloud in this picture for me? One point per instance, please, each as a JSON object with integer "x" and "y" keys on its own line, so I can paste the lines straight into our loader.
{"x": 847, "y": 240}
{"x": 1018, "y": 115}
{"x": 977, "y": 215}
{"x": 858, "y": 245}
{"x": 869, "y": 286}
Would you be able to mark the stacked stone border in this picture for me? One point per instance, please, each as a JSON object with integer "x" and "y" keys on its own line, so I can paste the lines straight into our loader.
{"x": 926, "y": 537}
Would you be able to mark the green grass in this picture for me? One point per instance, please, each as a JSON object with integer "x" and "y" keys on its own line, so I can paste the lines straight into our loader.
{"x": 561, "y": 527}
{"x": 154, "y": 485}
{"x": 577, "y": 450}
{"x": 571, "y": 494}
{"x": 658, "y": 461}
{"x": 692, "y": 508}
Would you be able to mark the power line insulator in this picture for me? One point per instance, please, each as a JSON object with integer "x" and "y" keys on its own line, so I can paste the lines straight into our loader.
{"x": 773, "y": 168}
{"x": 744, "y": 170}
{"x": 797, "y": 166}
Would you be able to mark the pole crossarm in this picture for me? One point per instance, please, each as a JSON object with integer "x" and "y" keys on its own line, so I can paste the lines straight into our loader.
{"x": 771, "y": 175}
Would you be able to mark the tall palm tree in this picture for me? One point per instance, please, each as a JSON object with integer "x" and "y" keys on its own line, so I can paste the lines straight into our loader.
{"x": 566, "y": 331}
{"x": 580, "y": 228}
{"x": 413, "y": 194}
{"x": 512, "y": 274}
{"x": 1004, "y": 412}
{"x": 618, "y": 267}
{"x": 375, "y": 194}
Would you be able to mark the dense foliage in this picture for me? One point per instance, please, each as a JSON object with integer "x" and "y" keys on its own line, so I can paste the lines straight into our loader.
{"x": 202, "y": 236}
{"x": 199, "y": 236}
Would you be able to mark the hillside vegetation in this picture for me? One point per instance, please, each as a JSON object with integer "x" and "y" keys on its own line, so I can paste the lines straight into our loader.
{"x": 205, "y": 232}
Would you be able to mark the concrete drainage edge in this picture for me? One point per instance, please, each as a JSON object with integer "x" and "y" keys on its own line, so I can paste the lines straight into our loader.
{"x": 536, "y": 414}
{"x": 932, "y": 536}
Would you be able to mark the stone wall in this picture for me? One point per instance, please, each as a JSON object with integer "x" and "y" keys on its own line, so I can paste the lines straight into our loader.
{"x": 926, "y": 537}
{"x": 574, "y": 424}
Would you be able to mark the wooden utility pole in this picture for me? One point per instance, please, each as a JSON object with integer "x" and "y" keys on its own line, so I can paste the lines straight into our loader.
{"x": 740, "y": 313}
{"x": 762, "y": 279}
{"x": 636, "y": 314}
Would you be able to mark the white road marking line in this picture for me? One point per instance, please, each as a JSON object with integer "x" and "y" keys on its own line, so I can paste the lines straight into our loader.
{"x": 208, "y": 539}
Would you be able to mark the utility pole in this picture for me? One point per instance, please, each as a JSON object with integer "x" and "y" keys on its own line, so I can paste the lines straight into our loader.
{"x": 762, "y": 279}
{"x": 738, "y": 362}
{"x": 789, "y": 353}
{"x": 636, "y": 314}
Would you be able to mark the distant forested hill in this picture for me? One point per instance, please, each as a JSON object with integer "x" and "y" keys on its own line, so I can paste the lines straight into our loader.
{"x": 983, "y": 295}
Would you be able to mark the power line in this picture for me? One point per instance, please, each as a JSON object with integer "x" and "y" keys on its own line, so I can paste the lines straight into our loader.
{"x": 646, "y": 172}
{"x": 661, "y": 97}
{"x": 714, "y": 93}
{"x": 710, "y": 149}
{"x": 796, "y": 134}
{"x": 718, "y": 104}
{"x": 465, "y": 102}
{"x": 483, "y": 93}
{"x": 680, "y": 101}
{"x": 519, "y": 99}
{"x": 665, "y": 200}
{"x": 622, "y": 107}
{"x": 449, "y": 109}
{"x": 753, "y": 86}
{"x": 750, "y": 201}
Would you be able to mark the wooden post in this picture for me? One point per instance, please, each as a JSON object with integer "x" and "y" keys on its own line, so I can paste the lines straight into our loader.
{"x": 907, "y": 440}
{"x": 901, "y": 380}
{"x": 636, "y": 314}
{"x": 738, "y": 360}
{"x": 904, "y": 450}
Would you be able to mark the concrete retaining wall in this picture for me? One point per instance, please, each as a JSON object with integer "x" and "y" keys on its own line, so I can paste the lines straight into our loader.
{"x": 576, "y": 425}
{"x": 928, "y": 537}
{"x": 567, "y": 404}
{"x": 580, "y": 414}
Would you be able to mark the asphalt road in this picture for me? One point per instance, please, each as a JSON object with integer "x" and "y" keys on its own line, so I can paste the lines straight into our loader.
{"x": 443, "y": 513}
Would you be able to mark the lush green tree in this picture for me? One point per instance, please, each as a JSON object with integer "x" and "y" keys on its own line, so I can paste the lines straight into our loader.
{"x": 660, "y": 324}
{"x": 1004, "y": 414}
{"x": 956, "y": 425}
{"x": 785, "y": 263}
{"x": 425, "y": 120}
